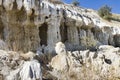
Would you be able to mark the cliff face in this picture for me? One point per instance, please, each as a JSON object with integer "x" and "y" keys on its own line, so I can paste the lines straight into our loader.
{"x": 29, "y": 24}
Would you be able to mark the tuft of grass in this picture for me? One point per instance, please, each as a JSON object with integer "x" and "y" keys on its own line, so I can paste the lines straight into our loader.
{"x": 56, "y": 1}
{"x": 115, "y": 17}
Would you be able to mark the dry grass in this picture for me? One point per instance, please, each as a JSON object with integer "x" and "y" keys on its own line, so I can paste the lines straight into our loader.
{"x": 91, "y": 74}
{"x": 111, "y": 23}
{"x": 116, "y": 15}
{"x": 56, "y": 1}
{"x": 114, "y": 22}
{"x": 1, "y": 77}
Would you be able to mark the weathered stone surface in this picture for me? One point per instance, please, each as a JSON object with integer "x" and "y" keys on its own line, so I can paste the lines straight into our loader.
{"x": 3, "y": 45}
{"x": 29, "y": 20}
{"x": 36, "y": 25}
{"x": 31, "y": 70}
{"x": 60, "y": 48}
{"x": 14, "y": 67}
{"x": 104, "y": 64}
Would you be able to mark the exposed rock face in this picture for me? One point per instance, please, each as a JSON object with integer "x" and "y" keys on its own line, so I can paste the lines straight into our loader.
{"x": 32, "y": 69}
{"x": 33, "y": 23}
{"x": 101, "y": 65}
{"x": 30, "y": 25}
{"x": 13, "y": 67}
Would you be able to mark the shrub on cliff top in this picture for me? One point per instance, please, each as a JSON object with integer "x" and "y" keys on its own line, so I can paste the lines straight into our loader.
{"x": 76, "y": 3}
{"x": 105, "y": 12}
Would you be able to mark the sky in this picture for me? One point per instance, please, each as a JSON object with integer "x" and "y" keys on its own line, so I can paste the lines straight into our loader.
{"x": 96, "y": 4}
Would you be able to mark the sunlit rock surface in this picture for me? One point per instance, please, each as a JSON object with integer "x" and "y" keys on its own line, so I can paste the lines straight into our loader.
{"x": 29, "y": 28}
{"x": 12, "y": 67}
{"x": 100, "y": 65}
{"x": 36, "y": 23}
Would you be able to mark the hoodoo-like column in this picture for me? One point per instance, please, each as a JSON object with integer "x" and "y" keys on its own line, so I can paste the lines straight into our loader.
{"x": 53, "y": 34}
{"x": 73, "y": 35}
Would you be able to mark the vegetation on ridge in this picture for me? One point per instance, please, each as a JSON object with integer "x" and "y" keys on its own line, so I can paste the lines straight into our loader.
{"x": 56, "y": 1}
{"x": 76, "y": 3}
{"x": 105, "y": 12}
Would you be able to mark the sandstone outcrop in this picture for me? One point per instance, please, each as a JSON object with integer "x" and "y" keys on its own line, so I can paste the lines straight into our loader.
{"x": 36, "y": 23}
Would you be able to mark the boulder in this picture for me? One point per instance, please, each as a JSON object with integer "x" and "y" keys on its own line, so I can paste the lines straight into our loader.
{"x": 31, "y": 70}
{"x": 13, "y": 67}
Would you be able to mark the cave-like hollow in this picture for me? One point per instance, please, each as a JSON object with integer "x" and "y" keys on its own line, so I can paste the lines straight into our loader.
{"x": 63, "y": 33}
{"x": 43, "y": 34}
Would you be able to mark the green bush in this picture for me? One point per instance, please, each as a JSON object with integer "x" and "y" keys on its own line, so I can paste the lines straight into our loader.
{"x": 76, "y": 3}
{"x": 105, "y": 12}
